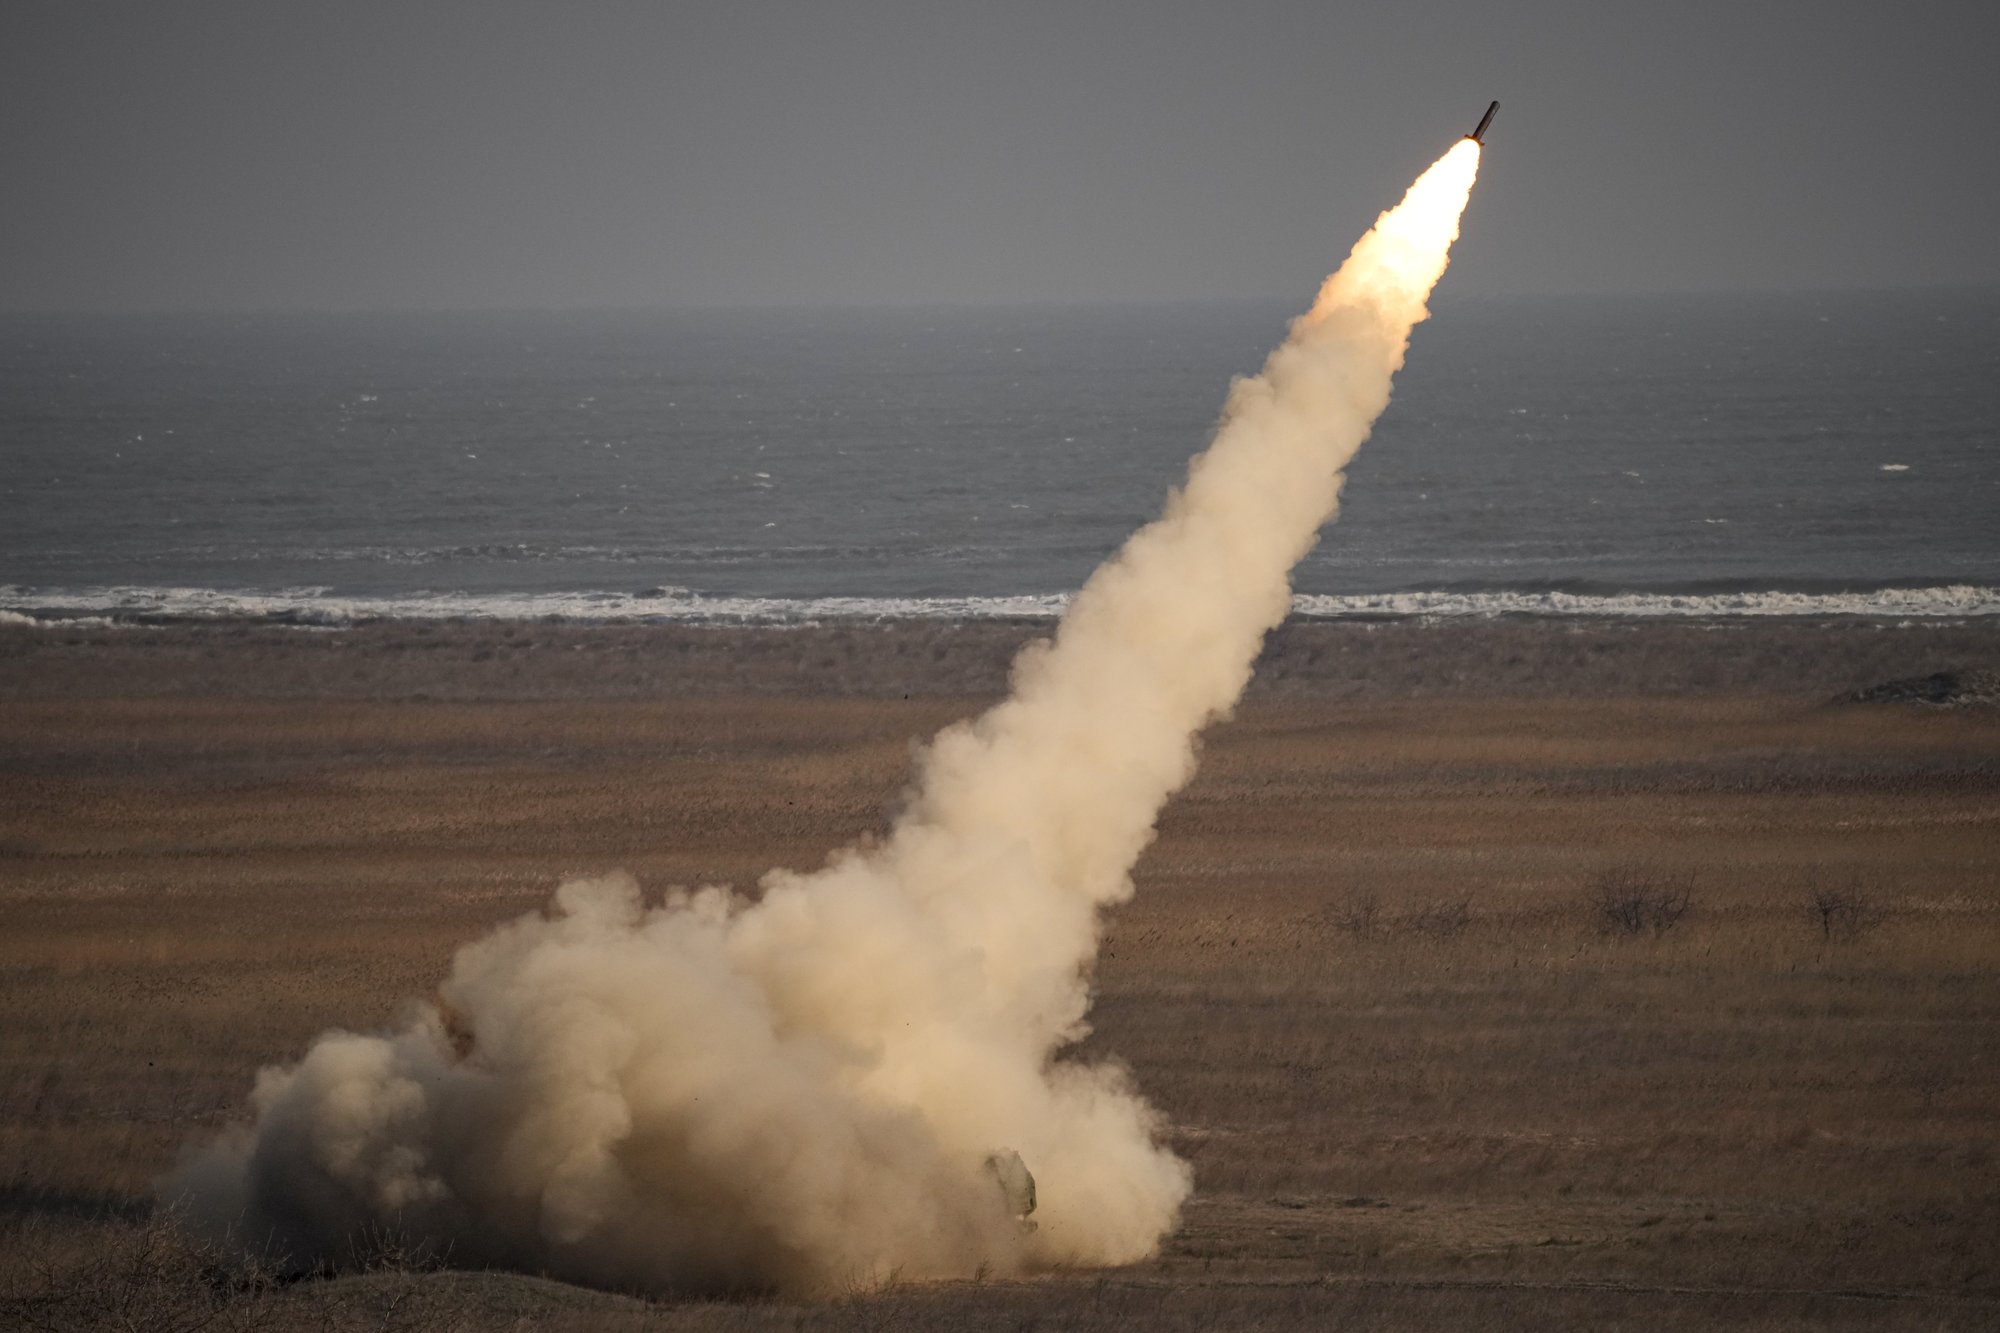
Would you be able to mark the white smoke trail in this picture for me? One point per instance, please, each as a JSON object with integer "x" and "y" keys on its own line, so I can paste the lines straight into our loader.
{"x": 800, "y": 1091}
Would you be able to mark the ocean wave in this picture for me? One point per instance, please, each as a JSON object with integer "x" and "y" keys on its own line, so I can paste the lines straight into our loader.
{"x": 325, "y": 607}
{"x": 1951, "y": 601}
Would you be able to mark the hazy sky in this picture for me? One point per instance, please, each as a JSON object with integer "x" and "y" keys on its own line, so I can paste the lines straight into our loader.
{"x": 466, "y": 153}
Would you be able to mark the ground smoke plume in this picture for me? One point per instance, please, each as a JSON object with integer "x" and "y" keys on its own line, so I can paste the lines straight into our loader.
{"x": 799, "y": 1091}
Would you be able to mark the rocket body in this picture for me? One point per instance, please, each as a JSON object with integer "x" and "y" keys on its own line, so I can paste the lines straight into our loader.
{"x": 1478, "y": 136}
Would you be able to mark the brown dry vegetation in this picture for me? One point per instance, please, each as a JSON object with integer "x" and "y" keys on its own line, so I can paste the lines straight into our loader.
{"x": 1366, "y": 974}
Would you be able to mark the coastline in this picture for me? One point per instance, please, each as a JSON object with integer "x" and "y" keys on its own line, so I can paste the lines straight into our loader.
{"x": 327, "y": 608}
{"x": 474, "y": 659}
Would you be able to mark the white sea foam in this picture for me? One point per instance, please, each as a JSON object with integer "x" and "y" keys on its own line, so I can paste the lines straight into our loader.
{"x": 322, "y": 607}
{"x": 1952, "y": 601}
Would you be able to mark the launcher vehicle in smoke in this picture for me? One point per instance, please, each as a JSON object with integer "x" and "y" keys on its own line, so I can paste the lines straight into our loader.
{"x": 1478, "y": 136}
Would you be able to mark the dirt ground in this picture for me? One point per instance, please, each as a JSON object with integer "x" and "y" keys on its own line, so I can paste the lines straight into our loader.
{"x": 1490, "y": 976}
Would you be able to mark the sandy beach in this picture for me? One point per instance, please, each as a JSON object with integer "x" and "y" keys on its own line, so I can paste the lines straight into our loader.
{"x": 1374, "y": 973}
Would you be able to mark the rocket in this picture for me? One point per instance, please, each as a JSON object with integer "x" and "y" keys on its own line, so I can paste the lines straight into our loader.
{"x": 1478, "y": 136}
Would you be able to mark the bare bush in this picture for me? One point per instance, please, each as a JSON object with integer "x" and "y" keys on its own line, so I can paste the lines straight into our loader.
{"x": 1837, "y": 909}
{"x": 1633, "y": 900}
{"x": 152, "y": 1277}
{"x": 1359, "y": 914}
{"x": 1443, "y": 919}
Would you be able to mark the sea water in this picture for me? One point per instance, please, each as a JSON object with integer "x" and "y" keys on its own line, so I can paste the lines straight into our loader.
{"x": 1702, "y": 455}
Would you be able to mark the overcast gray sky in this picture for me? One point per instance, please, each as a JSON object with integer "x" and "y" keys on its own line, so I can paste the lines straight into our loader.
{"x": 474, "y": 153}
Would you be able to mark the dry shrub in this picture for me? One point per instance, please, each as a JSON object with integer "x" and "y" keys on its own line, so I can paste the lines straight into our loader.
{"x": 154, "y": 1277}
{"x": 1635, "y": 900}
{"x": 1359, "y": 914}
{"x": 1839, "y": 909}
{"x": 151, "y": 1277}
{"x": 1442, "y": 919}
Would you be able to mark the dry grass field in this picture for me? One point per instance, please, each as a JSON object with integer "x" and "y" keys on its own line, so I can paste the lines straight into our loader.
{"x": 1507, "y": 978}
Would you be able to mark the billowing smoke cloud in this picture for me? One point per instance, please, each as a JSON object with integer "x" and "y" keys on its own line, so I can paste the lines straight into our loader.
{"x": 800, "y": 1090}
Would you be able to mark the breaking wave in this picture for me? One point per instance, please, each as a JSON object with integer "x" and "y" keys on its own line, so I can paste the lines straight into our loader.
{"x": 673, "y": 605}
